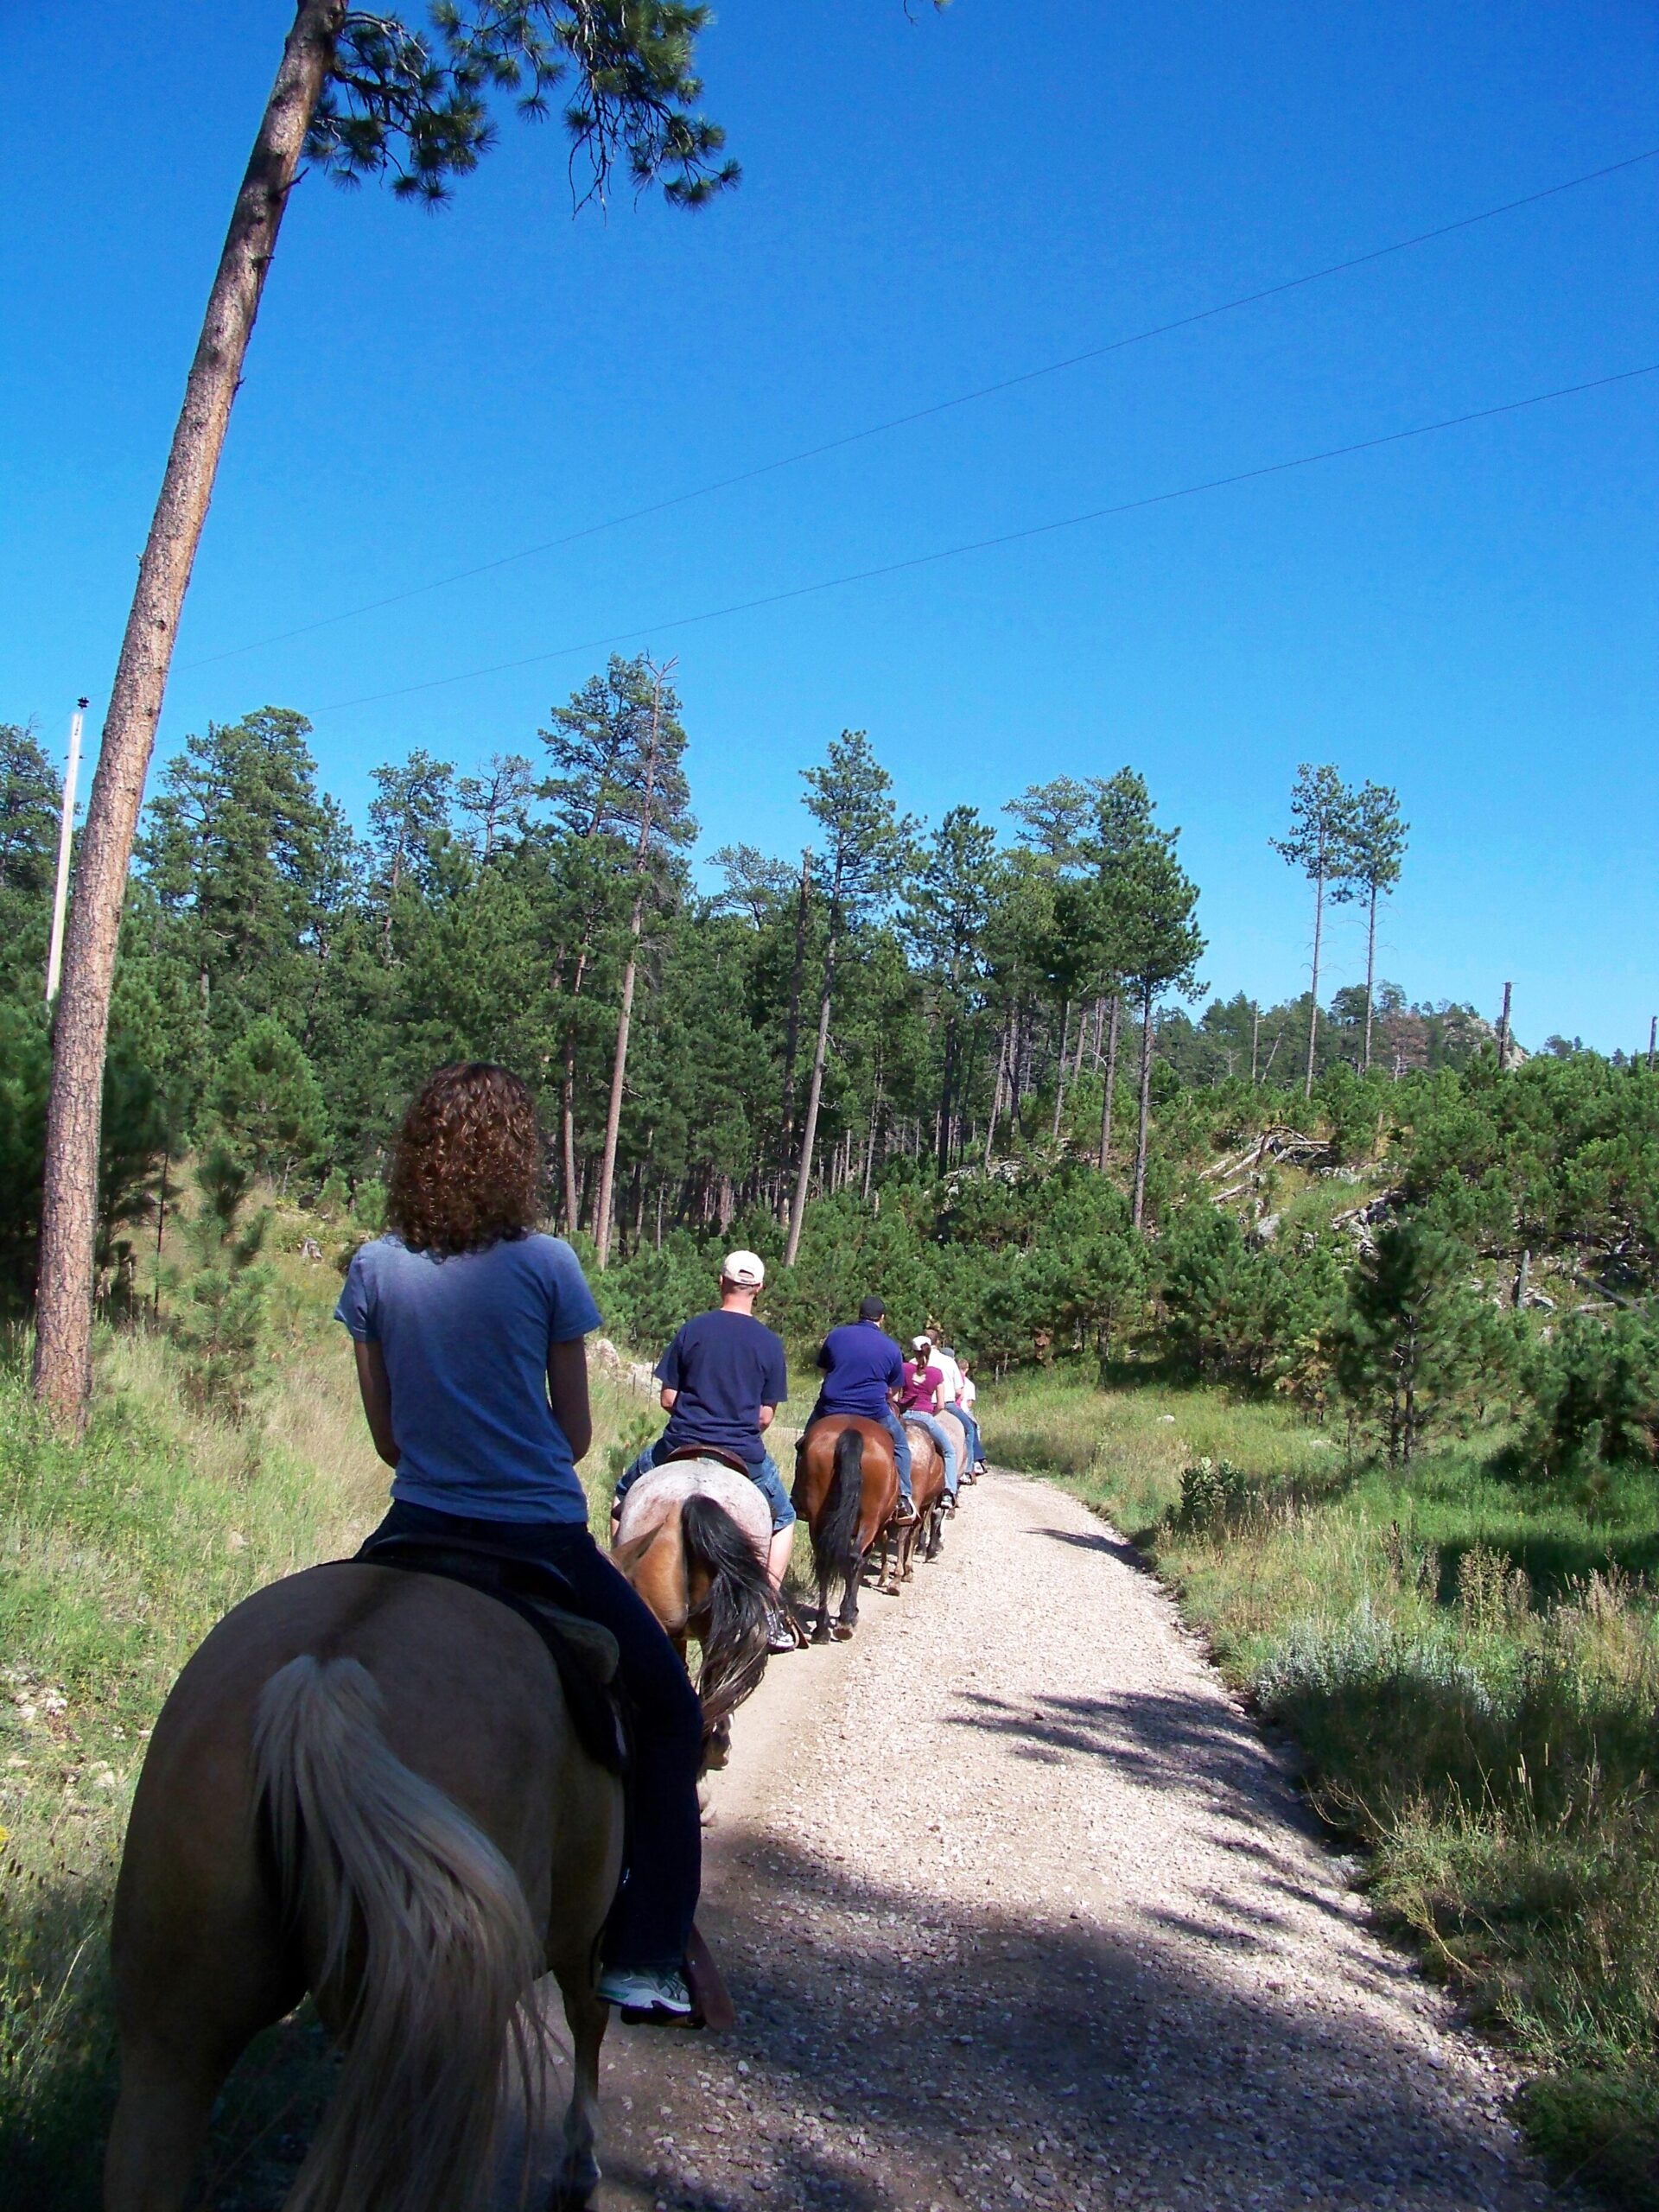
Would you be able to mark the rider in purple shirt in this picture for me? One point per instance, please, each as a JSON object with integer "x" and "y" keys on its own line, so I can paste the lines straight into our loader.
{"x": 863, "y": 1371}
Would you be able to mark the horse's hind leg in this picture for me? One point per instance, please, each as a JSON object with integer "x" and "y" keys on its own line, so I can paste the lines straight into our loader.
{"x": 578, "y": 2174}
{"x": 848, "y": 1619}
{"x": 821, "y": 1633}
{"x": 160, "y": 2124}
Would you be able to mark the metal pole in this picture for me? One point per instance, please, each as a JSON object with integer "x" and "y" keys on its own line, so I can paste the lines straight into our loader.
{"x": 65, "y": 838}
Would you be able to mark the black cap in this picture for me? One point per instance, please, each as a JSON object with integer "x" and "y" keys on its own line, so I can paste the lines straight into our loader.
{"x": 871, "y": 1310}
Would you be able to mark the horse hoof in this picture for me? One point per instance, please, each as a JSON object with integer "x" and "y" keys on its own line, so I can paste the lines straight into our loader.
{"x": 821, "y": 1636}
{"x": 843, "y": 1630}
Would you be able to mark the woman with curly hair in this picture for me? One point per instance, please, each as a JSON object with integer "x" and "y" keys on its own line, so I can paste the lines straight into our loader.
{"x": 468, "y": 1327}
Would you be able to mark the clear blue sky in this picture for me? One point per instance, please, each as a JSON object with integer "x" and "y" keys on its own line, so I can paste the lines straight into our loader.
{"x": 927, "y": 205}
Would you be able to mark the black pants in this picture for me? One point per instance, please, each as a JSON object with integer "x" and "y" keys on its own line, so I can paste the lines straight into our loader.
{"x": 651, "y": 1919}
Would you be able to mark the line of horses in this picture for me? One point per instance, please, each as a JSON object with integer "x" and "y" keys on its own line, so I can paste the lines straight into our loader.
{"x": 366, "y": 1785}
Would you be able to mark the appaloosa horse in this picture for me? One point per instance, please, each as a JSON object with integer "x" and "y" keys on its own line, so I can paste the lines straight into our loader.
{"x": 846, "y": 1488}
{"x": 365, "y": 1783}
{"x": 693, "y": 1540}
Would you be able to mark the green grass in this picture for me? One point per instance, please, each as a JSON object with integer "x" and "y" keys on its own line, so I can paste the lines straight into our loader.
{"x": 1470, "y": 1667}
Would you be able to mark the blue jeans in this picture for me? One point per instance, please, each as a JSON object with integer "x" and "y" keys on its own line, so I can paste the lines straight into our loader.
{"x": 975, "y": 1442}
{"x": 941, "y": 1435}
{"x": 895, "y": 1429}
{"x": 765, "y": 1476}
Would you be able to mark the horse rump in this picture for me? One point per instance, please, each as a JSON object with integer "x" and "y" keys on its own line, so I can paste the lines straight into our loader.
{"x": 739, "y": 1607}
{"x": 417, "y": 1941}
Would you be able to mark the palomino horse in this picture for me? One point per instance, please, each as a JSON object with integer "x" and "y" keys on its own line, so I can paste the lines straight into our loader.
{"x": 846, "y": 1488}
{"x": 364, "y": 1785}
{"x": 693, "y": 1541}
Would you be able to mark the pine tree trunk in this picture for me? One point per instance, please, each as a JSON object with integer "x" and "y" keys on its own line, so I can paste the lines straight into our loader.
{"x": 1002, "y": 1047}
{"x": 625, "y": 1017}
{"x": 792, "y": 1028}
{"x": 618, "y": 1079}
{"x": 1146, "y": 1107}
{"x": 1370, "y": 976}
{"x": 68, "y": 1227}
{"x": 1059, "y": 1072}
{"x": 1314, "y": 995}
{"x": 814, "y": 1097}
{"x": 1109, "y": 1099}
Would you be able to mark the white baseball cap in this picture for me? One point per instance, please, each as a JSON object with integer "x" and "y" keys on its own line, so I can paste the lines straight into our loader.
{"x": 744, "y": 1270}
{"x": 921, "y": 1344}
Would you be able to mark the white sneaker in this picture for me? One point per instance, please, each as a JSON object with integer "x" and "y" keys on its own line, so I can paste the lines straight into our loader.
{"x": 638, "y": 1990}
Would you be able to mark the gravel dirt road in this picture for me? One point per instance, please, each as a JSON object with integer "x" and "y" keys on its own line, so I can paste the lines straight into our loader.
{"x": 1019, "y": 1909}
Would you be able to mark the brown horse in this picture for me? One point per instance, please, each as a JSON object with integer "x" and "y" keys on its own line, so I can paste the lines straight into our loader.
{"x": 364, "y": 1785}
{"x": 846, "y": 1489}
{"x": 693, "y": 1540}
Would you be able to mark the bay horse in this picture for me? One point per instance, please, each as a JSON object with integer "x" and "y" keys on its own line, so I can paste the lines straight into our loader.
{"x": 846, "y": 1489}
{"x": 693, "y": 1540}
{"x": 365, "y": 1783}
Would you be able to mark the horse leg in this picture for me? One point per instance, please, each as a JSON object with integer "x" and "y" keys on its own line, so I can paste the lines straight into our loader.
{"x": 161, "y": 2123}
{"x": 821, "y": 1633}
{"x": 587, "y": 2015}
{"x": 849, "y": 1620}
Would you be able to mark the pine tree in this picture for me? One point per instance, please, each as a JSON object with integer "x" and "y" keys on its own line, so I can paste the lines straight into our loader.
{"x": 1376, "y": 849}
{"x": 1321, "y": 816}
{"x": 664, "y": 824}
{"x": 868, "y": 854}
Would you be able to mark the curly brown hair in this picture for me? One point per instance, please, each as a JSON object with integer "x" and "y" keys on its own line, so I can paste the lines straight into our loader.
{"x": 466, "y": 1170}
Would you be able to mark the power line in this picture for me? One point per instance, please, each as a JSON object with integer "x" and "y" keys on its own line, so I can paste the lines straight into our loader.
{"x": 1006, "y": 537}
{"x": 926, "y": 414}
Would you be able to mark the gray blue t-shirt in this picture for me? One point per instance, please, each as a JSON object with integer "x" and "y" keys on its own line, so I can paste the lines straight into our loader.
{"x": 464, "y": 1339}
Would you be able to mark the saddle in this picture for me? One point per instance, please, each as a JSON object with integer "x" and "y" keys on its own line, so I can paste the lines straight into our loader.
{"x": 583, "y": 1654}
{"x": 707, "y": 1452}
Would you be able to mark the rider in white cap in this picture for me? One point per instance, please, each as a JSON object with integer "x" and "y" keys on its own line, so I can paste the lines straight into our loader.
{"x": 722, "y": 1379}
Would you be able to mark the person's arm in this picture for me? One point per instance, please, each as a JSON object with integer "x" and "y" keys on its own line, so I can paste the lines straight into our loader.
{"x": 766, "y": 1413}
{"x": 665, "y": 1399}
{"x": 939, "y": 1389}
{"x": 375, "y": 1386}
{"x": 567, "y": 1393}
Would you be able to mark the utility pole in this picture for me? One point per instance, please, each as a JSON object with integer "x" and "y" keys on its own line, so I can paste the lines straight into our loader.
{"x": 1504, "y": 1032}
{"x": 66, "y": 839}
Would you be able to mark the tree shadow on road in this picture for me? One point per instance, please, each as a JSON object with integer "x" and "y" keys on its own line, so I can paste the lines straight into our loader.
{"x": 894, "y": 2051}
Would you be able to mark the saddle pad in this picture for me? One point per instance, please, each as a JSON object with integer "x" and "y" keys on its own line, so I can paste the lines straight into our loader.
{"x": 584, "y": 1654}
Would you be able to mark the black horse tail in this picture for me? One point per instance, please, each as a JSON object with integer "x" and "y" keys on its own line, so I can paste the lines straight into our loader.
{"x": 835, "y": 1541}
{"x": 739, "y": 1607}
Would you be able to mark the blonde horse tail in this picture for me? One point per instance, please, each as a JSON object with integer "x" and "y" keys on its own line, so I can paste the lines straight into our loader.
{"x": 417, "y": 1927}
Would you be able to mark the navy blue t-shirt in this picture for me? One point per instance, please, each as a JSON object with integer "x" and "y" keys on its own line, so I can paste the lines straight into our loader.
{"x": 726, "y": 1367}
{"x": 861, "y": 1364}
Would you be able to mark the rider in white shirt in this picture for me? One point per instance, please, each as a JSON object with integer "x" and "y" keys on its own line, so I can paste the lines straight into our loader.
{"x": 958, "y": 1394}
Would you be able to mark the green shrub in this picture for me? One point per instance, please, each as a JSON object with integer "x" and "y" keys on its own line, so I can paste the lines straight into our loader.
{"x": 1215, "y": 1495}
{"x": 1595, "y": 1393}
